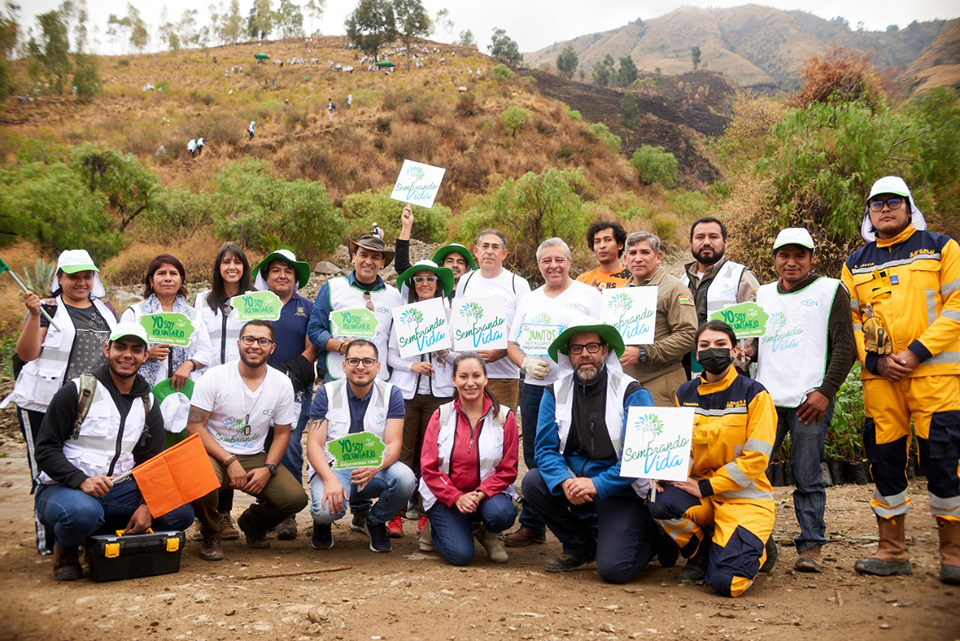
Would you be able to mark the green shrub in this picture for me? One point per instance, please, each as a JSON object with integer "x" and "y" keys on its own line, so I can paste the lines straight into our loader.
{"x": 365, "y": 208}
{"x": 575, "y": 115}
{"x": 513, "y": 118}
{"x": 655, "y": 165}
{"x": 502, "y": 72}
{"x": 602, "y": 133}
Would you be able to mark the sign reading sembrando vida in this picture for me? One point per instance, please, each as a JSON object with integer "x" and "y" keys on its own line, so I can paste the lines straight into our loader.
{"x": 421, "y": 327}
{"x": 479, "y": 323}
{"x": 656, "y": 444}
{"x": 633, "y": 311}
{"x": 418, "y": 183}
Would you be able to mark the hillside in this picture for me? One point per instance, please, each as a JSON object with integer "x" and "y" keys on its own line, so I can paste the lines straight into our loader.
{"x": 939, "y": 64}
{"x": 755, "y": 46}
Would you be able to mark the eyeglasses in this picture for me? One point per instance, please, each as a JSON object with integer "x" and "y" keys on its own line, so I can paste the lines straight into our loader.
{"x": 892, "y": 203}
{"x": 424, "y": 279}
{"x": 355, "y": 362}
{"x": 591, "y": 348}
{"x": 250, "y": 340}
{"x": 369, "y": 300}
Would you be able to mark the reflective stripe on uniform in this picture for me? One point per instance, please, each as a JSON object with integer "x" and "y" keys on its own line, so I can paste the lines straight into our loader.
{"x": 944, "y": 506}
{"x": 723, "y": 412}
{"x": 894, "y": 263}
{"x": 931, "y": 306}
{"x": 737, "y": 475}
{"x": 756, "y": 445}
{"x": 951, "y": 314}
{"x": 948, "y": 288}
{"x": 854, "y": 304}
{"x": 943, "y": 357}
{"x": 751, "y": 493}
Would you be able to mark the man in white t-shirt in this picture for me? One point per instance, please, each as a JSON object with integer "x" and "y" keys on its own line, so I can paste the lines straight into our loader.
{"x": 491, "y": 279}
{"x": 232, "y": 409}
{"x": 540, "y": 318}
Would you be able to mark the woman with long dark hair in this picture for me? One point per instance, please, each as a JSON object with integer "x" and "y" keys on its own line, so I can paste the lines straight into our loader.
{"x": 231, "y": 277}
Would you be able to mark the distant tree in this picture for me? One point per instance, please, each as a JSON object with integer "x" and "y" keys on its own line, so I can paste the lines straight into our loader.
{"x": 50, "y": 57}
{"x": 638, "y": 22}
{"x": 607, "y": 137}
{"x": 116, "y": 27}
{"x": 443, "y": 22}
{"x": 139, "y": 35}
{"x": 128, "y": 185}
{"x": 9, "y": 34}
{"x": 86, "y": 75}
{"x": 840, "y": 20}
{"x": 505, "y": 48}
{"x": 582, "y": 73}
{"x": 860, "y": 25}
{"x": 261, "y": 20}
{"x": 627, "y": 74}
{"x": 467, "y": 39}
{"x": 315, "y": 9}
{"x": 567, "y": 62}
{"x": 514, "y": 118}
{"x": 231, "y": 24}
{"x": 187, "y": 29}
{"x": 629, "y": 110}
{"x": 655, "y": 165}
{"x": 168, "y": 31}
{"x": 892, "y": 28}
{"x": 603, "y": 72}
{"x": 695, "y": 55}
{"x": 412, "y": 21}
{"x": 371, "y": 25}
{"x": 289, "y": 19}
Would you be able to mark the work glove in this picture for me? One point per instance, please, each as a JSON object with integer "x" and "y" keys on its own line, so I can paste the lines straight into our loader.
{"x": 535, "y": 367}
{"x": 876, "y": 340}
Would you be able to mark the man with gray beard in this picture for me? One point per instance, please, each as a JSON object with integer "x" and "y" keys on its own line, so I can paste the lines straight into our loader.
{"x": 577, "y": 488}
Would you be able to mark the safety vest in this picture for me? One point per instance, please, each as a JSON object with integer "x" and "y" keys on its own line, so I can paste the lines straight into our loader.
{"x": 40, "y": 379}
{"x": 223, "y": 330}
{"x": 723, "y": 289}
{"x": 489, "y": 446}
{"x": 617, "y": 384}
{"x": 441, "y": 383}
{"x": 95, "y": 451}
{"x": 793, "y": 355}
{"x": 344, "y": 296}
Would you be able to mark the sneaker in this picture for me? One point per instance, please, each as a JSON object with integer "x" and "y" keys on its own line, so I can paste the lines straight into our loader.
{"x": 395, "y": 527}
{"x": 569, "y": 562}
{"x": 378, "y": 536}
{"x": 287, "y": 530}
{"x": 66, "y": 564}
{"x": 256, "y": 539}
{"x": 211, "y": 550}
{"x": 228, "y": 531}
{"x": 194, "y": 532}
{"x": 771, "y": 548}
{"x": 809, "y": 560}
{"x": 696, "y": 567}
{"x": 412, "y": 513}
{"x": 322, "y": 538}
{"x": 523, "y": 537}
{"x": 496, "y": 552}
{"x": 421, "y": 524}
{"x": 425, "y": 542}
{"x": 359, "y": 522}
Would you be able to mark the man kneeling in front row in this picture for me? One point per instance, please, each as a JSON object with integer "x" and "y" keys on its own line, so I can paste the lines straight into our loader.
{"x": 122, "y": 428}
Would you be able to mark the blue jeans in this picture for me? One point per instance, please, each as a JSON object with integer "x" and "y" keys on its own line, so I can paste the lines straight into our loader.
{"x": 453, "y": 531}
{"x": 530, "y": 397}
{"x": 393, "y": 487}
{"x": 74, "y": 515}
{"x": 810, "y": 497}
{"x": 293, "y": 457}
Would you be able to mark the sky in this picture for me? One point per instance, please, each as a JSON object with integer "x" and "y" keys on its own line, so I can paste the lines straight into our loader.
{"x": 532, "y": 23}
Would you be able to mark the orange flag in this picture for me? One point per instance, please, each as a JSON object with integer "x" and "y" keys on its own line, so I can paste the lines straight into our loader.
{"x": 176, "y": 476}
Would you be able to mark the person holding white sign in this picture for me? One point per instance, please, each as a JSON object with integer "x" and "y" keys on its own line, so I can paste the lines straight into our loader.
{"x": 659, "y": 365}
{"x": 802, "y": 361}
{"x": 579, "y": 447}
{"x": 540, "y": 318}
{"x": 491, "y": 279}
{"x": 454, "y": 256}
{"x": 722, "y": 516}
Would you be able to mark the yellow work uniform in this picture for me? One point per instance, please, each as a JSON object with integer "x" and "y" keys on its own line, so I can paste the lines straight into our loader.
{"x": 733, "y": 433}
{"x": 905, "y": 291}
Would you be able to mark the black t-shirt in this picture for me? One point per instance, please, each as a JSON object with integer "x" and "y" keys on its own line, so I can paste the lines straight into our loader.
{"x": 93, "y": 332}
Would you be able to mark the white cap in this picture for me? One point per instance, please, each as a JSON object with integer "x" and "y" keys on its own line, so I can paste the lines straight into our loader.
{"x": 890, "y": 185}
{"x": 72, "y": 261}
{"x": 128, "y": 328}
{"x": 793, "y": 236}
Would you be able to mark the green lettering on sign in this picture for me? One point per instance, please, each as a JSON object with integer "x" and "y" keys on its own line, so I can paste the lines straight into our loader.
{"x": 747, "y": 320}
{"x": 354, "y": 323}
{"x": 356, "y": 450}
{"x": 257, "y": 306}
{"x": 171, "y": 328}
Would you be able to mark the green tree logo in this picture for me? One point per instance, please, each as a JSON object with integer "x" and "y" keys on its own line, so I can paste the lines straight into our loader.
{"x": 415, "y": 173}
{"x": 412, "y": 317}
{"x": 621, "y": 304}
{"x": 650, "y": 426}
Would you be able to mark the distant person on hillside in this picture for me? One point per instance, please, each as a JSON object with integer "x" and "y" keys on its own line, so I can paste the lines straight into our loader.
{"x": 199, "y": 145}
{"x": 377, "y": 231}
{"x": 192, "y": 147}
{"x": 349, "y": 96}
{"x": 606, "y": 240}
{"x": 330, "y": 109}
{"x": 252, "y": 129}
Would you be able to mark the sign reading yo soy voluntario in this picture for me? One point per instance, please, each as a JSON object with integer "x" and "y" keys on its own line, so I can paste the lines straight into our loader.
{"x": 657, "y": 442}
{"x": 421, "y": 327}
{"x": 263, "y": 305}
{"x": 362, "y": 449}
{"x": 747, "y": 320}
{"x": 354, "y": 323}
{"x": 170, "y": 328}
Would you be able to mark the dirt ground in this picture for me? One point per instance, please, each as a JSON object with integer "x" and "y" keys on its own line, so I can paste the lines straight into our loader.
{"x": 415, "y": 596}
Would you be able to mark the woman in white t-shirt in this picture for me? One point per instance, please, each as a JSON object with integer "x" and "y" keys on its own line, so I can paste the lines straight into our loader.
{"x": 231, "y": 277}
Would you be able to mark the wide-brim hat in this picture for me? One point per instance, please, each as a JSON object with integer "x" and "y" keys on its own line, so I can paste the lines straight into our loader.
{"x": 301, "y": 268}
{"x": 174, "y": 404}
{"x": 72, "y": 261}
{"x": 444, "y": 274}
{"x": 584, "y": 325}
{"x": 890, "y": 185}
{"x": 454, "y": 248}
{"x": 373, "y": 243}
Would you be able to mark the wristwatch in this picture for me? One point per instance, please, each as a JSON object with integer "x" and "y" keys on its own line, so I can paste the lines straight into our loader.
{"x": 644, "y": 357}
{"x": 272, "y": 468}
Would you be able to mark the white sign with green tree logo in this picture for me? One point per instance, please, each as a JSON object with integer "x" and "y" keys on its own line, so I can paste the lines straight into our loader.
{"x": 535, "y": 337}
{"x": 479, "y": 323}
{"x": 633, "y": 311}
{"x": 656, "y": 443}
{"x": 418, "y": 183}
{"x": 421, "y": 327}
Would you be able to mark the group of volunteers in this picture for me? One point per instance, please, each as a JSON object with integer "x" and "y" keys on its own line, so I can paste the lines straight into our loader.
{"x": 95, "y": 398}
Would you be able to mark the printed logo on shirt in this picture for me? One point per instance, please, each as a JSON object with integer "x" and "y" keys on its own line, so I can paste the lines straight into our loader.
{"x": 736, "y": 403}
{"x": 541, "y": 319}
{"x": 300, "y": 311}
{"x": 268, "y": 412}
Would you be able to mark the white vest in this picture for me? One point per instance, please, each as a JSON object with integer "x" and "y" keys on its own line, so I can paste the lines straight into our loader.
{"x": 723, "y": 289}
{"x": 223, "y": 343}
{"x": 94, "y": 449}
{"x": 344, "y": 296}
{"x": 489, "y": 447}
{"x": 40, "y": 379}
{"x": 792, "y": 357}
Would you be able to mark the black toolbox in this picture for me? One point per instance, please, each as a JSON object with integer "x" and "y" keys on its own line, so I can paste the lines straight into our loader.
{"x": 114, "y": 557}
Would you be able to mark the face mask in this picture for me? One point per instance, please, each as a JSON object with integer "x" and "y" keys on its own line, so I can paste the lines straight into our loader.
{"x": 715, "y": 360}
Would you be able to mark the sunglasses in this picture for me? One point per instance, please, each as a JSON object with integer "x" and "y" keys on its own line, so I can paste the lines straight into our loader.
{"x": 368, "y": 298}
{"x": 891, "y": 203}
{"x": 424, "y": 279}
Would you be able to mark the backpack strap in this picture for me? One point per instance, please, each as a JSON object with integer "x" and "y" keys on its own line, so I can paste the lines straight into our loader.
{"x": 88, "y": 385}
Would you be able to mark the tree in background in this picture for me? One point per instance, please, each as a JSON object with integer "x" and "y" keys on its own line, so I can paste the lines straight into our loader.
{"x": 139, "y": 35}
{"x": 262, "y": 19}
{"x": 695, "y": 56}
{"x": 627, "y": 73}
{"x": 655, "y": 165}
{"x": 412, "y": 22}
{"x": 9, "y": 34}
{"x": 168, "y": 31}
{"x": 86, "y": 75}
{"x": 315, "y": 9}
{"x": 567, "y": 62}
{"x": 467, "y": 39}
{"x": 289, "y": 19}
{"x": 629, "y": 110}
{"x": 371, "y": 25}
{"x": 505, "y": 48}
{"x": 227, "y": 23}
{"x": 444, "y": 23}
{"x": 128, "y": 186}
{"x": 514, "y": 118}
{"x": 603, "y": 72}
{"x": 50, "y": 57}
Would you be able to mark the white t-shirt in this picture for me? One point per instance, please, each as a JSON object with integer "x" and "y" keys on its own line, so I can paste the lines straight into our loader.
{"x": 512, "y": 289}
{"x": 239, "y": 417}
{"x": 576, "y": 300}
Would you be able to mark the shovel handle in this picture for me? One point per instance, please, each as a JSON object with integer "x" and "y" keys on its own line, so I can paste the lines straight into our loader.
{"x": 20, "y": 284}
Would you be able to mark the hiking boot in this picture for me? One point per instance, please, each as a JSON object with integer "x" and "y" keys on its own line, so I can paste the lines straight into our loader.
{"x": 194, "y": 533}
{"x": 809, "y": 560}
{"x": 696, "y": 567}
{"x": 891, "y": 557}
{"x": 228, "y": 531}
{"x": 422, "y": 523}
{"x": 210, "y": 549}
{"x": 425, "y": 542}
{"x": 322, "y": 538}
{"x": 378, "y": 536}
{"x": 949, "y": 551}
{"x": 569, "y": 562}
{"x": 491, "y": 542}
{"x": 395, "y": 527}
{"x": 256, "y": 539}
{"x": 287, "y": 530}
{"x": 359, "y": 522}
{"x": 523, "y": 537}
{"x": 771, "y": 549}
{"x": 66, "y": 563}
{"x": 667, "y": 550}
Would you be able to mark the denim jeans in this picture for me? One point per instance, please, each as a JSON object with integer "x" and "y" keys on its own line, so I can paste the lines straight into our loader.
{"x": 393, "y": 487}
{"x": 453, "y": 531}
{"x": 293, "y": 457}
{"x": 530, "y": 397}
{"x": 74, "y": 515}
{"x": 810, "y": 497}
